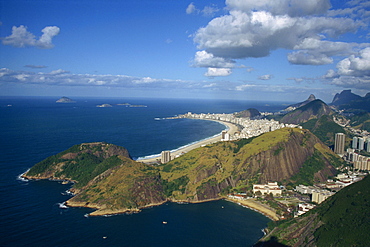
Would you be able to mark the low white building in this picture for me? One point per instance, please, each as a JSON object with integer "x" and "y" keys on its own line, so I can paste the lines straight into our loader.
{"x": 304, "y": 208}
{"x": 268, "y": 188}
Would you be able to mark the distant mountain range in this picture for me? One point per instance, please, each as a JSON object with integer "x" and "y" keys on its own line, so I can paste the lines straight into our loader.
{"x": 346, "y": 100}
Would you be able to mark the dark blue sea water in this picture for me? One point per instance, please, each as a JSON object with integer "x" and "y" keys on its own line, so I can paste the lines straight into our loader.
{"x": 35, "y": 128}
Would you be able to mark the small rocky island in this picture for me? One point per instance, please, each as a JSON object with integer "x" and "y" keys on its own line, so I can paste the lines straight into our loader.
{"x": 65, "y": 100}
{"x": 104, "y": 105}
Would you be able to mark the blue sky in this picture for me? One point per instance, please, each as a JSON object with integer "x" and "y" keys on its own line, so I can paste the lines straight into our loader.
{"x": 275, "y": 50}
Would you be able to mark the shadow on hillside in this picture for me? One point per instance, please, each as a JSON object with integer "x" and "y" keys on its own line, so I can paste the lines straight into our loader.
{"x": 273, "y": 242}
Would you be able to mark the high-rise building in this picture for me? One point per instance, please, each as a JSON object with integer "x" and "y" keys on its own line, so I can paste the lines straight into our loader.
{"x": 368, "y": 145}
{"x": 339, "y": 143}
{"x": 361, "y": 143}
{"x": 354, "y": 142}
{"x": 165, "y": 156}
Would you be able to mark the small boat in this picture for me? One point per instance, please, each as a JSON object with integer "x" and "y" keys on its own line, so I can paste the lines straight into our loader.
{"x": 164, "y": 222}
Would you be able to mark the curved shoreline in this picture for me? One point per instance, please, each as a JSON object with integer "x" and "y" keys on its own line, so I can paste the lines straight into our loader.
{"x": 256, "y": 206}
{"x": 230, "y": 128}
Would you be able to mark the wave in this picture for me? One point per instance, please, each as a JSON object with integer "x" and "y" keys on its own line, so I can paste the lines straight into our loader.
{"x": 62, "y": 205}
{"x": 20, "y": 178}
{"x": 67, "y": 193}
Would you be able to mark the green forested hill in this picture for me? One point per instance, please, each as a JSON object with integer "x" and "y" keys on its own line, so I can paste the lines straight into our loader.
{"x": 107, "y": 179}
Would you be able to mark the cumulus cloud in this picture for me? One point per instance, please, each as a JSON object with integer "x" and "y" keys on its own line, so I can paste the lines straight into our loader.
{"x": 205, "y": 59}
{"x": 352, "y": 72}
{"x": 256, "y": 28}
{"x": 265, "y": 77}
{"x": 20, "y": 37}
{"x": 213, "y": 72}
{"x": 207, "y": 10}
{"x": 191, "y": 9}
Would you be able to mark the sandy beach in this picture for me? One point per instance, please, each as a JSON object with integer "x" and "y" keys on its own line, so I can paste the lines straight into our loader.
{"x": 257, "y": 206}
{"x": 232, "y": 128}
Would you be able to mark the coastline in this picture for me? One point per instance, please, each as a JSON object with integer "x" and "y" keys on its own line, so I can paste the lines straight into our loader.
{"x": 231, "y": 129}
{"x": 256, "y": 206}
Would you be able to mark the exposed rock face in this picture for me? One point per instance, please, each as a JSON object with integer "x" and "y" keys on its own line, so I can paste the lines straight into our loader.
{"x": 345, "y": 97}
{"x": 314, "y": 109}
{"x": 274, "y": 156}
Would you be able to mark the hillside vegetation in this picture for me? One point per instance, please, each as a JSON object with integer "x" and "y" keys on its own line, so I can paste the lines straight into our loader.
{"x": 107, "y": 179}
{"x": 313, "y": 110}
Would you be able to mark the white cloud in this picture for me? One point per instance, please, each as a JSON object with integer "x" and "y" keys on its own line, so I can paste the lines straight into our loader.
{"x": 191, "y": 9}
{"x": 58, "y": 72}
{"x": 356, "y": 66}
{"x": 210, "y": 85}
{"x": 205, "y": 59}
{"x": 207, "y": 10}
{"x": 352, "y": 72}
{"x": 307, "y": 58}
{"x": 49, "y": 33}
{"x": 210, "y": 10}
{"x": 255, "y": 28}
{"x": 265, "y": 77}
{"x": 20, "y": 37}
{"x": 62, "y": 77}
{"x": 282, "y": 7}
{"x": 213, "y": 72}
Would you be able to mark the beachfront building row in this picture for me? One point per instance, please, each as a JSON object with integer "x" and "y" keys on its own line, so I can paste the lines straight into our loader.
{"x": 269, "y": 188}
{"x": 249, "y": 127}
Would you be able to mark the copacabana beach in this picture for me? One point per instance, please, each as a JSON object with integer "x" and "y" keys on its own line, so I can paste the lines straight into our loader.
{"x": 231, "y": 129}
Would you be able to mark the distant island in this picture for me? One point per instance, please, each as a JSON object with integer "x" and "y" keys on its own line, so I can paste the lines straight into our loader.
{"x": 65, "y": 100}
{"x": 104, "y": 105}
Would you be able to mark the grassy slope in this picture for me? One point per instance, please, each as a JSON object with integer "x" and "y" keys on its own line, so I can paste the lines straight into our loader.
{"x": 220, "y": 163}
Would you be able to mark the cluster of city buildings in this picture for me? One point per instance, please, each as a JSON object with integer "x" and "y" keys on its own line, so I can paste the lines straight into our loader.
{"x": 248, "y": 127}
{"x": 360, "y": 162}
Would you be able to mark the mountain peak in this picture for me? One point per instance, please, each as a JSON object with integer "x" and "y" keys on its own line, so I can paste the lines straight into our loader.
{"x": 344, "y": 97}
{"x": 311, "y": 97}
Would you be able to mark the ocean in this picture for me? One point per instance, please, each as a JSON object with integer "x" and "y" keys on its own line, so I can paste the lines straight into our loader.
{"x": 33, "y": 128}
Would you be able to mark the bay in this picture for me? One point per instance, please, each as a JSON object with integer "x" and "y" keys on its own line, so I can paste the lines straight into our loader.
{"x": 33, "y": 128}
